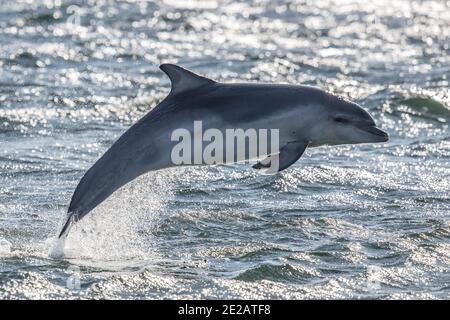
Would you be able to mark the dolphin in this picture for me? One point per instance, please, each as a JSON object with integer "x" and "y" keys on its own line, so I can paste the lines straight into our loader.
{"x": 305, "y": 116}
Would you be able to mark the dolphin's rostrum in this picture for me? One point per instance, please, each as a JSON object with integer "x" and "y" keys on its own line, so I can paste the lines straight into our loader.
{"x": 305, "y": 116}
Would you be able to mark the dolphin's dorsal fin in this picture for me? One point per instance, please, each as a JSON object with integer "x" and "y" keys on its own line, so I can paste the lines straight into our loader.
{"x": 183, "y": 80}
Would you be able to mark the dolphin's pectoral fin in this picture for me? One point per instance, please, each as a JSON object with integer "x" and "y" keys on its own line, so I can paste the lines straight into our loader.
{"x": 288, "y": 155}
{"x": 182, "y": 79}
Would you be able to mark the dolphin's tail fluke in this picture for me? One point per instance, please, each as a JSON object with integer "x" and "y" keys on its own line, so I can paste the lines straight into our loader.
{"x": 71, "y": 219}
{"x": 132, "y": 155}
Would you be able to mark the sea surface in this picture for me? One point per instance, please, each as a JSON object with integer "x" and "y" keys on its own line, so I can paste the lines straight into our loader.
{"x": 356, "y": 221}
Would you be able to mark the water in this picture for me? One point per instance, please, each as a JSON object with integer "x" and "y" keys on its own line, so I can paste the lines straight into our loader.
{"x": 369, "y": 221}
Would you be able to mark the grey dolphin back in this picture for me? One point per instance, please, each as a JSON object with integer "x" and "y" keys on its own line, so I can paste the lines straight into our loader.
{"x": 183, "y": 80}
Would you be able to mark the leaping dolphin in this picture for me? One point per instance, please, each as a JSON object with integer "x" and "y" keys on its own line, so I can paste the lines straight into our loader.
{"x": 305, "y": 116}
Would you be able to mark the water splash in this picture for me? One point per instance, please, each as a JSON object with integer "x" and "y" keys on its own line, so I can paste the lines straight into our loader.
{"x": 57, "y": 246}
{"x": 121, "y": 227}
{"x": 5, "y": 248}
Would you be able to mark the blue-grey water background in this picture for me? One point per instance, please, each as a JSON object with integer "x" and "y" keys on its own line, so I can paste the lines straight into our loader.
{"x": 367, "y": 221}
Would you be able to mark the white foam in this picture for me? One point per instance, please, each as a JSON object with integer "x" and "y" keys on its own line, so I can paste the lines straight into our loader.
{"x": 5, "y": 248}
{"x": 57, "y": 245}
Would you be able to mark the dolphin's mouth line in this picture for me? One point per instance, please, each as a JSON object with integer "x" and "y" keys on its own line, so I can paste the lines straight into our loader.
{"x": 375, "y": 131}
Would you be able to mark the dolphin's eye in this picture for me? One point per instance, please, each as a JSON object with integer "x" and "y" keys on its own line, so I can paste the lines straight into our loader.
{"x": 340, "y": 120}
